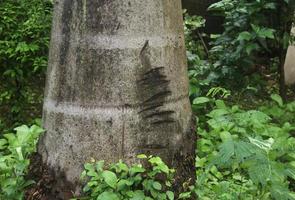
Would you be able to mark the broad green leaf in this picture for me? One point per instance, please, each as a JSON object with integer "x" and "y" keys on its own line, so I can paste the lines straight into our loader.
{"x": 157, "y": 185}
{"x": 138, "y": 195}
{"x": 136, "y": 169}
{"x": 225, "y": 135}
{"x": 110, "y": 178}
{"x": 170, "y": 195}
{"x": 108, "y": 196}
{"x": 226, "y": 152}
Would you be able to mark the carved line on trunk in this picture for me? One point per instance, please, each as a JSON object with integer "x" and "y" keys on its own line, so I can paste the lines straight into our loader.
{"x": 109, "y": 42}
{"x": 57, "y": 105}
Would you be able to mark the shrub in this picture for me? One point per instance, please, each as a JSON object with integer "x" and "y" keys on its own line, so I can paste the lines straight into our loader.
{"x": 118, "y": 181}
{"x": 15, "y": 149}
{"x": 24, "y": 38}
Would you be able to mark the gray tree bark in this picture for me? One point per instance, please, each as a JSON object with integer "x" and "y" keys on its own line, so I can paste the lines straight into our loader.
{"x": 116, "y": 85}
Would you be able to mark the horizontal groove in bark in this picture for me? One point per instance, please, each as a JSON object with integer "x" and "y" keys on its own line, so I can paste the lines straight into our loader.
{"x": 122, "y": 41}
{"x": 72, "y": 109}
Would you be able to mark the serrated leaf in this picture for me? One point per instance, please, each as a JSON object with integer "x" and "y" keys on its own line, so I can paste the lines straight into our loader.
{"x": 226, "y": 152}
{"x": 262, "y": 144}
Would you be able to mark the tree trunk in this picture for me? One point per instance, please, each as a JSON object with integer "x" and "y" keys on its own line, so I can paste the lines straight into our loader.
{"x": 116, "y": 86}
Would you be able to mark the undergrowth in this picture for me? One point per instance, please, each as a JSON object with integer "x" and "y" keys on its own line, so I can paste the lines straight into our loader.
{"x": 245, "y": 154}
{"x": 15, "y": 151}
{"x": 153, "y": 180}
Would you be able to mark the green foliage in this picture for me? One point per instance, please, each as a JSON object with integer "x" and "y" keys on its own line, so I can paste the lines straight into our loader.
{"x": 15, "y": 149}
{"x": 255, "y": 32}
{"x": 24, "y": 38}
{"x": 200, "y": 76}
{"x": 249, "y": 51}
{"x": 152, "y": 181}
{"x": 246, "y": 154}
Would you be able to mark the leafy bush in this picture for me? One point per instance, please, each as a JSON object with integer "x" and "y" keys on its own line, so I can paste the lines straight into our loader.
{"x": 199, "y": 67}
{"x": 15, "y": 149}
{"x": 136, "y": 182}
{"x": 24, "y": 38}
{"x": 246, "y": 154}
{"x": 250, "y": 51}
{"x": 255, "y": 32}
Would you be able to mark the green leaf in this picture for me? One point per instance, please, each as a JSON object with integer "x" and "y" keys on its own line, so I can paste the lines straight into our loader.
{"x": 157, "y": 185}
{"x": 19, "y": 153}
{"x": 156, "y": 161}
{"x": 225, "y": 135}
{"x": 170, "y": 195}
{"x": 108, "y": 196}
{"x": 138, "y": 195}
{"x": 185, "y": 195}
{"x": 226, "y": 152}
{"x": 201, "y": 100}
{"x": 89, "y": 167}
{"x": 110, "y": 178}
{"x": 136, "y": 169}
{"x": 99, "y": 165}
{"x": 3, "y": 144}
{"x": 264, "y": 145}
{"x": 141, "y": 156}
{"x": 251, "y": 47}
{"x": 245, "y": 36}
{"x": 263, "y": 32}
{"x": 260, "y": 170}
{"x": 217, "y": 113}
{"x": 277, "y": 98}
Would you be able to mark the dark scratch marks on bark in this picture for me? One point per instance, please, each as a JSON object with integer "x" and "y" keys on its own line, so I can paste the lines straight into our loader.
{"x": 150, "y": 108}
{"x": 159, "y": 114}
{"x": 154, "y": 87}
{"x": 145, "y": 46}
{"x": 159, "y": 96}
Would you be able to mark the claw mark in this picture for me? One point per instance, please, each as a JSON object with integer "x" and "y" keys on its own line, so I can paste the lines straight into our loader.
{"x": 155, "y": 90}
{"x": 145, "y": 46}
